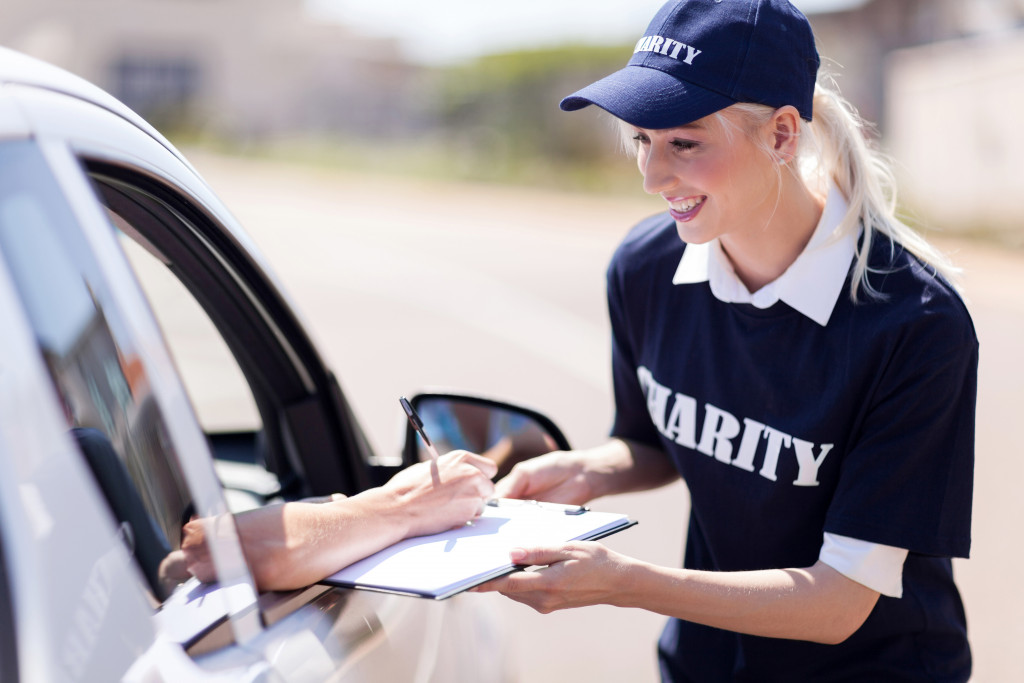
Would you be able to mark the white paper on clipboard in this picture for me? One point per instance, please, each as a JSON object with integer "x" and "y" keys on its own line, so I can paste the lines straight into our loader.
{"x": 450, "y": 562}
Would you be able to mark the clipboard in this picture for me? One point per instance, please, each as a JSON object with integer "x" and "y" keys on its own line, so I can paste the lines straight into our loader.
{"x": 445, "y": 564}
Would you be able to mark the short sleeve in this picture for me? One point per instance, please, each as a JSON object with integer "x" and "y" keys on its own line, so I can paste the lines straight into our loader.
{"x": 877, "y": 566}
{"x": 907, "y": 480}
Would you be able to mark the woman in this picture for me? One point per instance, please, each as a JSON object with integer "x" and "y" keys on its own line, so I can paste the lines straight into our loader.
{"x": 795, "y": 353}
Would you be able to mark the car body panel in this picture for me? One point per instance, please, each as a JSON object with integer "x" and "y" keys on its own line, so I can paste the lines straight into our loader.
{"x": 75, "y": 546}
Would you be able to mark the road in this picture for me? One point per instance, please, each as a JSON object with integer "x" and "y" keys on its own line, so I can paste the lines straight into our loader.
{"x": 408, "y": 285}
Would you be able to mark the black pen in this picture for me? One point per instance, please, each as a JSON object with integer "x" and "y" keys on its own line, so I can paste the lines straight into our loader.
{"x": 417, "y": 424}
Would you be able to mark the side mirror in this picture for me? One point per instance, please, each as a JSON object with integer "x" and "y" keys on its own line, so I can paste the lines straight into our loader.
{"x": 506, "y": 433}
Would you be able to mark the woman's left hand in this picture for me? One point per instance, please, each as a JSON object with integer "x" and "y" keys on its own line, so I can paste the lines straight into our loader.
{"x": 574, "y": 575}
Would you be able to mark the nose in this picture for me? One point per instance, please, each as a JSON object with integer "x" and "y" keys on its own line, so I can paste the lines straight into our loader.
{"x": 656, "y": 169}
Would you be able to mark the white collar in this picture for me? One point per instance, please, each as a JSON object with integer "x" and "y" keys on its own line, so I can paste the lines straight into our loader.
{"x": 812, "y": 284}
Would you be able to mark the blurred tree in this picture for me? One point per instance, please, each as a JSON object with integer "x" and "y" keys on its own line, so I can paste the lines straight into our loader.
{"x": 500, "y": 114}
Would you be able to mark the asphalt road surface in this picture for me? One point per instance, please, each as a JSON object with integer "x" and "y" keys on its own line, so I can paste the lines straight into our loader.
{"x": 409, "y": 285}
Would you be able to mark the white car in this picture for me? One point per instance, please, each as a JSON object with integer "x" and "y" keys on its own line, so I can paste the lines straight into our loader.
{"x": 103, "y": 457}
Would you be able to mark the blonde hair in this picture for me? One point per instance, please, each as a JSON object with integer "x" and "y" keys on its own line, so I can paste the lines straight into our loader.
{"x": 840, "y": 151}
{"x": 835, "y": 148}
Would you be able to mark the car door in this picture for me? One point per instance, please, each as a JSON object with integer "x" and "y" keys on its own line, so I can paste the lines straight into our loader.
{"x": 126, "y": 190}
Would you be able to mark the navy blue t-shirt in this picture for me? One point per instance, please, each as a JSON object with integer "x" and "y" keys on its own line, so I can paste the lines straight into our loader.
{"x": 784, "y": 430}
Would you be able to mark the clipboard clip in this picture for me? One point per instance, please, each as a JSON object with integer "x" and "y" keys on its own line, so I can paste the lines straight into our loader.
{"x": 557, "y": 507}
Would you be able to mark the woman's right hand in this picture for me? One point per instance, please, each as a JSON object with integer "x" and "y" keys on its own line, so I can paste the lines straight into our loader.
{"x": 437, "y": 495}
{"x": 577, "y": 477}
{"x": 557, "y": 477}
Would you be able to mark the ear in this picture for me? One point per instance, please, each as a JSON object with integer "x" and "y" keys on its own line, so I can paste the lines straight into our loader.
{"x": 785, "y": 132}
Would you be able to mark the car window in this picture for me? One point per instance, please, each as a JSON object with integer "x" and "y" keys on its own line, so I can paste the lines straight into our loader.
{"x": 222, "y": 398}
{"x": 95, "y": 365}
{"x": 219, "y": 393}
{"x": 277, "y": 422}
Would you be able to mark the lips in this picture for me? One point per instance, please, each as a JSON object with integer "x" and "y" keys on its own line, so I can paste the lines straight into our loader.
{"x": 685, "y": 209}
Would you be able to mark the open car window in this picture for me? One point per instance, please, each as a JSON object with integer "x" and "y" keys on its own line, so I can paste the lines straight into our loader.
{"x": 220, "y": 395}
{"x": 218, "y": 390}
{"x": 275, "y": 418}
{"x": 233, "y": 369}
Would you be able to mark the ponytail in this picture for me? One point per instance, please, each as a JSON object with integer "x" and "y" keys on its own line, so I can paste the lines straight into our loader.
{"x": 840, "y": 153}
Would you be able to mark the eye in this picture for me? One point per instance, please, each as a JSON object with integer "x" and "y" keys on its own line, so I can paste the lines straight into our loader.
{"x": 641, "y": 138}
{"x": 685, "y": 145}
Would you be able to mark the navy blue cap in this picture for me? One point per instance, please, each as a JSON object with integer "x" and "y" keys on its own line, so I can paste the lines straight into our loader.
{"x": 700, "y": 56}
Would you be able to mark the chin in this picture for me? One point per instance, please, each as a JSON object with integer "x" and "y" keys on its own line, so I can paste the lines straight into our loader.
{"x": 691, "y": 234}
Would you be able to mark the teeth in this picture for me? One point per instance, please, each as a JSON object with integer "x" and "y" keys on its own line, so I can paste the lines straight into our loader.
{"x": 687, "y": 204}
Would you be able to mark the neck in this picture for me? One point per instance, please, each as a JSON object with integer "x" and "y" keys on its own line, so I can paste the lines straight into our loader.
{"x": 762, "y": 253}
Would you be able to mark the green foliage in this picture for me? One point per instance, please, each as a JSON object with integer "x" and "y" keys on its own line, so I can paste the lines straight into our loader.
{"x": 501, "y": 111}
{"x": 499, "y": 72}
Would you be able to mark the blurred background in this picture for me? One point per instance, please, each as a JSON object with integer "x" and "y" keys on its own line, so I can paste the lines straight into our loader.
{"x": 405, "y": 169}
{"x": 466, "y": 89}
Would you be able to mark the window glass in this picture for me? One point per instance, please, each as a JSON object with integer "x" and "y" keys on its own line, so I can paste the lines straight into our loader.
{"x": 216, "y": 386}
{"x": 109, "y": 406}
{"x": 220, "y": 392}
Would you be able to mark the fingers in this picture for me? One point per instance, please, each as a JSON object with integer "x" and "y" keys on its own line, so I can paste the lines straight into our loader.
{"x": 529, "y": 479}
{"x": 573, "y": 575}
{"x": 554, "y": 477}
{"x": 435, "y": 474}
{"x": 460, "y": 465}
{"x": 541, "y": 556}
{"x": 482, "y": 485}
{"x": 442, "y": 494}
{"x": 527, "y": 557}
{"x": 456, "y": 458}
{"x": 514, "y": 485}
{"x": 195, "y": 552}
{"x": 459, "y": 491}
{"x": 539, "y": 589}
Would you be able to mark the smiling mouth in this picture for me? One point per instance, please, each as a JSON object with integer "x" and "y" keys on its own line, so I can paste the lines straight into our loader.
{"x": 687, "y": 205}
{"x": 686, "y": 209}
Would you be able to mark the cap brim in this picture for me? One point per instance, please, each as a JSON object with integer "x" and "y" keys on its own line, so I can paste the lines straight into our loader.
{"x": 648, "y": 98}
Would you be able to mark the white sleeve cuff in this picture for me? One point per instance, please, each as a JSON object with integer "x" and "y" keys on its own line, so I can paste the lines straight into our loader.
{"x": 877, "y": 566}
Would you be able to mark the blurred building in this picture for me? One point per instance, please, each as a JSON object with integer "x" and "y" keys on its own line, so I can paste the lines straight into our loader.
{"x": 953, "y": 127}
{"x": 238, "y": 68}
{"x": 856, "y": 40}
{"x": 944, "y": 80}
